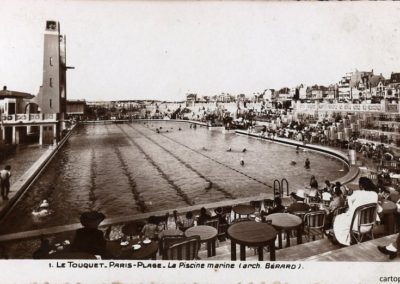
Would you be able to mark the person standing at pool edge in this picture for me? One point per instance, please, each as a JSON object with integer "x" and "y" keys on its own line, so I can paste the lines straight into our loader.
{"x": 5, "y": 182}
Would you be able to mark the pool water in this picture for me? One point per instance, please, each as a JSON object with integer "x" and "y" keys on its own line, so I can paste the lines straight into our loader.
{"x": 127, "y": 169}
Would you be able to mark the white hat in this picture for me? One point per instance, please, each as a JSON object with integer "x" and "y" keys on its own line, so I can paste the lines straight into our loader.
{"x": 300, "y": 193}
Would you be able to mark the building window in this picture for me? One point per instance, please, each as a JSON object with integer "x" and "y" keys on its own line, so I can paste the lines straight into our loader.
{"x": 51, "y": 82}
{"x": 51, "y": 104}
{"x": 51, "y": 61}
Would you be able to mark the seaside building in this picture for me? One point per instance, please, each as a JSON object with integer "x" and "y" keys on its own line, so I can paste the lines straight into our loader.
{"x": 42, "y": 118}
{"x": 76, "y": 109}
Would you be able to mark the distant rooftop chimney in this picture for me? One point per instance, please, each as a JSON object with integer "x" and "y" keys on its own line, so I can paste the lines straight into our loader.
{"x": 4, "y": 88}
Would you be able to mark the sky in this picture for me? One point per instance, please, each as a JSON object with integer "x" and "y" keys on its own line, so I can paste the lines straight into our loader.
{"x": 124, "y": 50}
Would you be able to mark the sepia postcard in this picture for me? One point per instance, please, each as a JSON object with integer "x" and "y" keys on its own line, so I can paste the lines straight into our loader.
{"x": 199, "y": 141}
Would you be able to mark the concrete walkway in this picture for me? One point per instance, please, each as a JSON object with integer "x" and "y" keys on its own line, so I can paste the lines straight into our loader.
{"x": 26, "y": 166}
{"x": 25, "y": 158}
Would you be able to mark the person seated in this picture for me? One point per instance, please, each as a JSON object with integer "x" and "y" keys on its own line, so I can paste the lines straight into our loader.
{"x": 43, "y": 251}
{"x": 391, "y": 250}
{"x": 313, "y": 182}
{"x": 298, "y": 196}
{"x": 337, "y": 201}
{"x": 298, "y": 205}
{"x": 173, "y": 220}
{"x": 384, "y": 179}
{"x": 278, "y": 208}
{"x": 150, "y": 230}
{"x": 367, "y": 194}
{"x": 186, "y": 222}
{"x": 327, "y": 186}
{"x": 220, "y": 215}
{"x": 326, "y": 197}
{"x": 204, "y": 216}
{"x": 89, "y": 238}
{"x": 338, "y": 185}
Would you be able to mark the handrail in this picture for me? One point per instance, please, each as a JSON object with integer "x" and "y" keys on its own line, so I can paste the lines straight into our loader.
{"x": 285, "y": 181}
{"x": 277, "y": 190}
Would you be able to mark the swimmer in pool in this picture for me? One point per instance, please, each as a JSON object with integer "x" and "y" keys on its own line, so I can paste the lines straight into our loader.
{"x": 307, "y": 164}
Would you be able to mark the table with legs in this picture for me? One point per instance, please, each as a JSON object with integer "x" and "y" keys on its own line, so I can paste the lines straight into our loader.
{"x": 207, "y": 235}
{"x": 252, "y": 234}
{"x": 285, "y": 222}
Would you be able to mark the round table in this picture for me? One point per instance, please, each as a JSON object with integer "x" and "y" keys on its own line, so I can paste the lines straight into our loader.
{"x": 170, "y": 232}
{"x": 252, "y": 234}
{"x": 389, "y": 210}
{"x": 147, "y": 251}
{"x": 243, "y": 209}
{"x": 286, "y": 222}
{"x": 207, "y": 234}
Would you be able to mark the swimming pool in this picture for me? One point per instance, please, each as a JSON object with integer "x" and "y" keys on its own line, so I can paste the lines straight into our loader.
{"x": 125, "y": 169}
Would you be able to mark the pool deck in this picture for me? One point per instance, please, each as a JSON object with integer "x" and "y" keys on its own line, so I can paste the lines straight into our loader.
{"x": 34, "y": 171}
{"x": 365, "y": 251}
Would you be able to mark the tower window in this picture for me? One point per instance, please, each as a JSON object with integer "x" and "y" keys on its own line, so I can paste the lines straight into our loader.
{"x": 51, "y": 25}
{"x": 51, "y": 61}
{"x": 51, "y": 104}
{"x": 51, "y": 82}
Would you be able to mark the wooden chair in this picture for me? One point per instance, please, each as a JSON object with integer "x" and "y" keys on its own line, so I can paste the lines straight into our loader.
{"x": 363, "y": 221}
{"x": 338, "y": 211}
{"x": 222, "y": 229}
{"x": 212, "y": 222}
{"x": 183, "y": 229}
{"x": 299, "y": 209}
{"x": 314, "y": 223}
{"x": 166, "y": 241}
{"x": 187, "y": 249}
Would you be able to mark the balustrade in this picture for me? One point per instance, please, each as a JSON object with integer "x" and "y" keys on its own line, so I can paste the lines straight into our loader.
{"x": 33, "y": 117}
